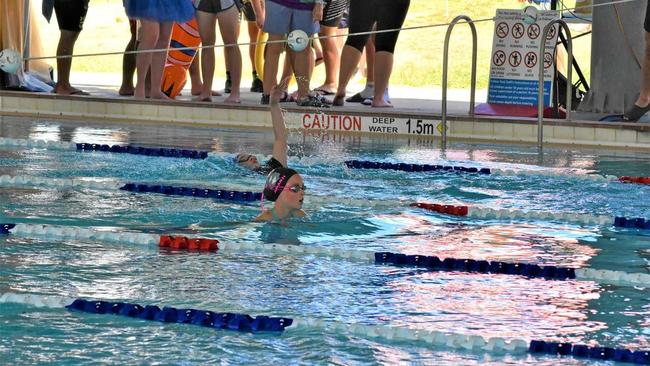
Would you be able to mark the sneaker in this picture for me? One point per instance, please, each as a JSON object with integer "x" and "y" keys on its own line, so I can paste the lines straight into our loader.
{"x": 228, "y": 88}
{"x": 312, "y": 101}
{"x": 257, "y": 86}
{"x": 266, "y": 99}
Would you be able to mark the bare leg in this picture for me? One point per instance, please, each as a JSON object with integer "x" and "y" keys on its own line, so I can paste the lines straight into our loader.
{"x": 302, "y": 66}
{"x": 644, "y": 94}
{"x": 331, "y": 57}
{"x": 207, "y": 23}
{"x": 349, "y": 60}
{"x": 229, "y": 28}
{"x": 195, "y": 76}
{"x": 128, "y": 63}
{"x": 148, "y": 38}
{"x": 271, "y": 60}
{"x": 253, "y": 31}
{"x": 158, "y": 60}
{"x": 63, "y": 65}
{"x": 383, "y": 69}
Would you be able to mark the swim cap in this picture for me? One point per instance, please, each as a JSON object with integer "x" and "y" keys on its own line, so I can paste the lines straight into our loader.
{"x": 276, "y": 181}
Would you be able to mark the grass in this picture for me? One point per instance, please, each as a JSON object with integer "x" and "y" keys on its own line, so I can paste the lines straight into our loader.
{"x": 418, "y": 57}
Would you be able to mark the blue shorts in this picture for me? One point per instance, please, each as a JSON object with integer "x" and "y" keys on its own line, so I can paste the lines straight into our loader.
{"x": 282, "y": 20}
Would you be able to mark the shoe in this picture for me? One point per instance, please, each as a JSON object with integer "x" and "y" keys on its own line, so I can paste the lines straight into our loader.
{"x": 357, "y": 98}
{"x": 228, "y": 88}
{"x": 257, "y": 86}
{"x": 635, "y": 113}
{"x": 266, "y": 99}
{"x": 312, "y": 101}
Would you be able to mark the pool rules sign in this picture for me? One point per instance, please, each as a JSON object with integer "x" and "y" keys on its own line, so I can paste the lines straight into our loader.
{"x": 514, "y": 68}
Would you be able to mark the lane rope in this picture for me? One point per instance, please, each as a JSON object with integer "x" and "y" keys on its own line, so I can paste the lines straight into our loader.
{"x": 246, "y": 323}
{"x": 52, "y": 232}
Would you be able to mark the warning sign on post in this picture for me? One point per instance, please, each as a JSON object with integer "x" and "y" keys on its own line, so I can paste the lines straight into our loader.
{"x": 514, "y": 70}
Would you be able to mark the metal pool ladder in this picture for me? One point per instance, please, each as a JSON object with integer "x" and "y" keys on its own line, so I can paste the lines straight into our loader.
{"x": 540, "y": 86}
{"x": 445, "y": 62}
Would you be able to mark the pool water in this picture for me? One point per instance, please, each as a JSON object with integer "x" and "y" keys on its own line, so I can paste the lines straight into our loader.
{"x": 346, "y": 209}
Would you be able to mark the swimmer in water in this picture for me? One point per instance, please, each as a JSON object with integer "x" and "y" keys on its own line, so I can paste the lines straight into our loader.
{"x": 279, "y": 155}
{"x": 284, "y": 186}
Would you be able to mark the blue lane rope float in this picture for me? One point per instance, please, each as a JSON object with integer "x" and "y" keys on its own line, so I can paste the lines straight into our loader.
{"x": 140, "y": 150}
{"x": 245, "y": 323}
{"x": 477, "y": 266}
{"x": 193, "y": 192}
{"x": 227, "y": 321}
{"x": 362, "y": 164}
{"x": 221, "y": 194}
{"x": 447, "y": 264}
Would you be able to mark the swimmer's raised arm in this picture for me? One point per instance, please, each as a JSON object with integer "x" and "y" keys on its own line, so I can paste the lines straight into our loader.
{"x": 280, "y": 131}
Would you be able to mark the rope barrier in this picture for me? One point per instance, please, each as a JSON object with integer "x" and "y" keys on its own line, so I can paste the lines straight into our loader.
{"x": 246, "y": 323}
{"x": 220, "y": 194}
{"x": 407, "y": 167}
{"x": 428, "y": 262}
{"x": 285, "y": 41}
{"x": 139, "y": 150}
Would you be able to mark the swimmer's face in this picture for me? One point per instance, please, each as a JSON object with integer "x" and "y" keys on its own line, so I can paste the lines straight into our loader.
{"x": 248, "y": 161}
{"x": 293, "y": 194}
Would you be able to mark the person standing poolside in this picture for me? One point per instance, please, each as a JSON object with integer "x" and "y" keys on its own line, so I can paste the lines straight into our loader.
{"x": 387, "y": 14}
{"x": 208, "y": 12}
{"x": 70, "y": 14}
{"x": 642, "y": 104}
{"x": 282, "y": 17}
{"x": 156, "y": 19}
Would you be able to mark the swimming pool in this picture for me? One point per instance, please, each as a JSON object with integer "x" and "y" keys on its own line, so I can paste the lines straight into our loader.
{"x": 348, "y": 210}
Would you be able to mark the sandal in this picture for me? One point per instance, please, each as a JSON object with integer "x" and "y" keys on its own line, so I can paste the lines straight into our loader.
{"x": 357, "y": 98}
{"x": 287, "y": 98}
{"x": 636, "y": 113}
{"x": 311, "y": 101}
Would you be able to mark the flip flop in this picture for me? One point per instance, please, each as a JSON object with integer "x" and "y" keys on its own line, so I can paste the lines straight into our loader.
{"x": 322, "y": 91}
{"x": 357, "y": 98}
{"x": 79, "y": 92}
{"x": 636, "y": 113}
{"x": 287, "y": 98}
{"x": 613, "y": 118}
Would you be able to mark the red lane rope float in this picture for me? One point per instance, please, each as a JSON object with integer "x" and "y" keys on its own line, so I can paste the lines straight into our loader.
{"x": 191, "y": 244}
{"x": 637, "y": 180}
{"x": 443, "y": 209}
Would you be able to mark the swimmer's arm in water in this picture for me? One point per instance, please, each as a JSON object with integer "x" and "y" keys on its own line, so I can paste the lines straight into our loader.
{"x": 279, "y": 128}
{"x": 266, "y": 215}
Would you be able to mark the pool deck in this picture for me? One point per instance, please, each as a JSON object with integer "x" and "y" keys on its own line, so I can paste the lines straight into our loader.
{"x": 416, "y": 113}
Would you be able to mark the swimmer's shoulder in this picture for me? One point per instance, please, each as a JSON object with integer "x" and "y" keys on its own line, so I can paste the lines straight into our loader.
{"x": 266, "y": 215}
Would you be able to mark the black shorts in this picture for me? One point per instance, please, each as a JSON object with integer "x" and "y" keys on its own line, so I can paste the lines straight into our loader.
{"x": 71, "y": 14}
{"x": 213, "y": 6}
{"x": 333, "y": 12}
{"x": 646, "y": 24}
{"x": 249, "y": 13}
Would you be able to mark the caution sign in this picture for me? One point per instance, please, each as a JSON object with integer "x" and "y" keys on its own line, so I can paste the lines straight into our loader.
{"x": 514, "y": 70}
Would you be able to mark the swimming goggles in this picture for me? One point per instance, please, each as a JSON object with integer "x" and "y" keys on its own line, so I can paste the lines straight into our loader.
{"x": 297, "y": 188}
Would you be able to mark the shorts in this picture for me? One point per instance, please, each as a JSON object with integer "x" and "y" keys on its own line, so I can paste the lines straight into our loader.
{"x": 71, "y": 14}
{"x": 280, "y": 19}
{"x": 249, "y": 13}
{"x": 213, "y": 6}
{"x": 333, "y": 13}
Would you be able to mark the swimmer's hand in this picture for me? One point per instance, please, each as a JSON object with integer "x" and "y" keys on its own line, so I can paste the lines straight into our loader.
{"x": 278, "y": 91}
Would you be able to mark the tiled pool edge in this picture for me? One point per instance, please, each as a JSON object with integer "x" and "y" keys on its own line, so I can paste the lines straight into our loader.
{"x": 579, "y": 133}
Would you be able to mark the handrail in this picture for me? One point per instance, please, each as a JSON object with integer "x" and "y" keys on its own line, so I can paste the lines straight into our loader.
{"x": 445, "y": 62}
{"x": 540, "y": 86}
